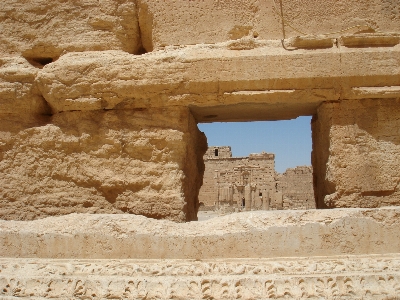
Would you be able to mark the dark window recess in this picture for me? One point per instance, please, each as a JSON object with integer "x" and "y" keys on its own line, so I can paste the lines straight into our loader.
{"x": 216, "y": 152}
{"x": 260, "y": 194}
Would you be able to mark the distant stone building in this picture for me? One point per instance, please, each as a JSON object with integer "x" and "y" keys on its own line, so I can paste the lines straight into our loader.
{"x": 297, "y": 188}
{"x": 251, "y": 183}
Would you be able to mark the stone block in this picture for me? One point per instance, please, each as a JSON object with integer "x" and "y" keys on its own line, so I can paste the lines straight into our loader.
{"x": 261, "y": 234}
{"x": 42, "y": 30}
{"x": 146, "y": 162}
{"x": 18, "y": 90}
{"x": 356, "y": 153}
{"x": 181, "y": 22}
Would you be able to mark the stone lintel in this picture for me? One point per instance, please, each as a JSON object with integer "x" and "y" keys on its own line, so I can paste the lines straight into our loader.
{"x": 263, "y": 83}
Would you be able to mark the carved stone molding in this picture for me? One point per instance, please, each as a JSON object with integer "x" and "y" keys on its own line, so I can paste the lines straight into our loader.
{"x": 339, "y": 277}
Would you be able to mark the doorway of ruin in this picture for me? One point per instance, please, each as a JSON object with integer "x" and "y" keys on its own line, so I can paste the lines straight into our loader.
{"x": 259, "y": 165}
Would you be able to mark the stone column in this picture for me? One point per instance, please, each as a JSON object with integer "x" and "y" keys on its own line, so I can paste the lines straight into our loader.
{"x": 266, "y": 200}
{"x": 279, "y": 200}
{"x": 247, "y": 192}
{"x": 230, "y": 195}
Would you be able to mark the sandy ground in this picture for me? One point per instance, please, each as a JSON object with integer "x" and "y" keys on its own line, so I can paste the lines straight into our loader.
{"x": 206, "y": 215}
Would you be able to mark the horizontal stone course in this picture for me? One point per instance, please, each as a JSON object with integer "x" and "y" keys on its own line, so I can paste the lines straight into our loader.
{"x": 260, "y": 234}
{"x": 337, "y": 277}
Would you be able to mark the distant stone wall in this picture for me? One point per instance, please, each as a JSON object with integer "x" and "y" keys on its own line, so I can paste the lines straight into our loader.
{"x": 296, "y": 186}
{"x": 227, "y": 179}
{"x": 251, "y": 183}
{"x": 218, "y": 152}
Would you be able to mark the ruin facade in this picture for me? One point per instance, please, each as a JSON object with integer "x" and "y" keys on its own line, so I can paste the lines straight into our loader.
{"x": 251, "y": 183}
{"x": 101, "y": 158}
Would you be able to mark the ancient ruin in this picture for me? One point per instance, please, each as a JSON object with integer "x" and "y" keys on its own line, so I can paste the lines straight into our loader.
{"x": 251, "y": 183}
{"x": 101, "y": 160}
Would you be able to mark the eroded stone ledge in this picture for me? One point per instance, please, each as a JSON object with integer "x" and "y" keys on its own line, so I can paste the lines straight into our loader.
{"x": 242, "y": 235}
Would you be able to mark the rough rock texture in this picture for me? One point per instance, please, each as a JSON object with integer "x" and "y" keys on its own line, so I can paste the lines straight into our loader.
{"x": 215, "y": 81}
{"x": 42, "y": 30}
{"x": 86, "y": 126}
{"x": 227, "y": 180}
{"x": 296, "y": 185}
{"x": 142, "y": 162}
{"x": 19, "y": 94}
{"x": 166, "y": 23}
{"x": 319, "y": 254}
{"x": 356, "y": 153}
{"x": 337, "y": 277}
{"x": 259, "y": 234}
{"x": 213, "y": 60}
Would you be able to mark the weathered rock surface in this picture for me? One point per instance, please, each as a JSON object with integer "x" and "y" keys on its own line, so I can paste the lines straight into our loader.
{"x": 18, "y": 90}
{"x": 357, "y": 153}
{"x": 215, "y": 81}
{"x": 194, "y": 22}
{"x": 336, "y": 277}
{"x": 42, "y": 30}
{"x": 241, "y": 235}
{"x": 142, "y": 162}
{"x": 212, "y": 61}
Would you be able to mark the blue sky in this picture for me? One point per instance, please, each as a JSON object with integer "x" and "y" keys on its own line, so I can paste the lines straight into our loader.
{"x": 290, "y": 140}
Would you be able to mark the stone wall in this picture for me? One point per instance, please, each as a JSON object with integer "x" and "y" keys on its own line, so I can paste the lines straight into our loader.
{"x": 99, "y": 102}
{"x": 228, "y": 180}
{"x": 334, "y": 277}
{"x": 81, "y": 59}
{"x": 297, "y": 188}
{"x": 142, "y": 162}
{"x": 254, "y": 234}
{"x": 328, "y": 254}
{"x": 356, "y": 153}
{"x": 218, "y": 152}
{"x": 172, "y": 23}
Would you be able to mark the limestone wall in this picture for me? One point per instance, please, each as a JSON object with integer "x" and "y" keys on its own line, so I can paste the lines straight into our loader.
{"x": 193, "y": 22}
{"x": 142, "y": 162}
{"x": 90, "y": 122}
{"x": 42, "y": 30}
{"x": 296, "y": 185}
{"x": 242, "y": 235}
{"x": 217, "y": 152}
{"x": 67, "y": 66}
{"x": 361, "y": 276}
{"x": 224, "y": 180}
{"x": 356, "y": 153}
{"x": 328, "y": 254}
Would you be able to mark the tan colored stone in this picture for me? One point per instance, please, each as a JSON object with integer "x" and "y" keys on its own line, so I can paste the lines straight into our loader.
{"x": 181, "y": 22}
{"x": 296, "y": 185}
{"x": 42, "y": 30}
{"x": 235, "y": 70}
{"x": 143, "y": 162}
{"x": 226, "y": 179}
{"x": 335, "y": 277}
{"x": 18, "y": 90}
{"x": 242, "y": 235}
{"x": 356, "y": 153}
{"x": 88, "y": 127}
{"x": 215, "y": 82}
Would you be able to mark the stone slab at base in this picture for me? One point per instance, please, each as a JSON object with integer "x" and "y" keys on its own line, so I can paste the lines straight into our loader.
{"x": 337, "y": 277}
{"x": 314, "y": 254}
{"x": 258, "y": 234}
